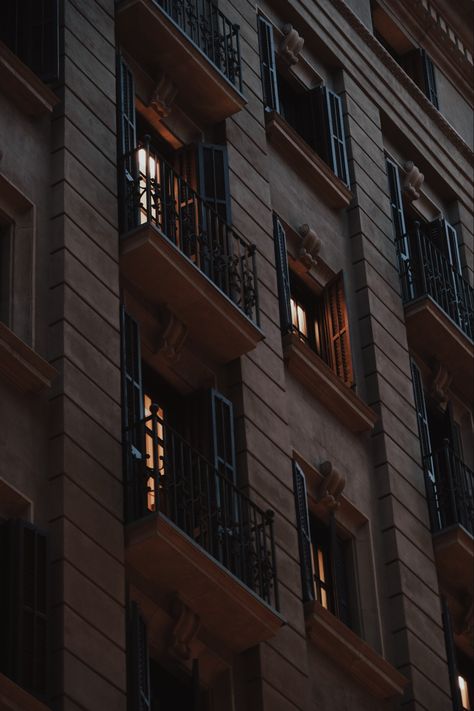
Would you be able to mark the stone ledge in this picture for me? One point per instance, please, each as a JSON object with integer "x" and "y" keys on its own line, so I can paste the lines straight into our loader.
{"x": 14, "y": 698}
{"x": 20, "y": 365}
{"x": 351, "y": 653}
{"x": 23, "y": 86}
{"x": 323, "y": 180}
{"x": 326, "y": 386}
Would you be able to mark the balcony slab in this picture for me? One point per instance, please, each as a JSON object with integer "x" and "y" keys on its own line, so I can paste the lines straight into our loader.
{"x": 159, "y": 45}
{"x": 454, "y": 555}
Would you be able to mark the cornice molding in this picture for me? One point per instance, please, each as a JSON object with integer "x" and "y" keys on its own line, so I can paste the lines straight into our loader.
{"x": 382, "y": 54}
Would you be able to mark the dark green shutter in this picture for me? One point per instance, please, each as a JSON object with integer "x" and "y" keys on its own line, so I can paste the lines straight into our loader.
{"x": 337, "y": 137}
{"x": 283, "y": 276}
{"x": 30, "y": 28}
{"x": 126, "y": 106}
{"x": 223, "y": 441}
{"x": 24, "y": 598}
{"x": 304, "y": 535}
{"x": 214, "y": 178}
{"x": 402, "y": 242}
{"x": 267, "y": 65}
{"x": 138, "y": 663}
{"x": 429, "y": 77}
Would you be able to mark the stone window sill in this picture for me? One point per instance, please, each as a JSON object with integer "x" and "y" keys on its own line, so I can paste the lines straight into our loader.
{"x": 23, "y": 86}
{"x": 20, "y": 365}
{"x": 351, "y": 653}
{"x": 326, "y": 386}
{"x": 14, "y": 698}
{"x": 288, "y": 142}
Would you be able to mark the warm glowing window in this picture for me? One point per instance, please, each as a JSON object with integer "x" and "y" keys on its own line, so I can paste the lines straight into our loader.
{"x": 154, "y": 449}
{"x": 320, "y": 572}
{"x": 299, "y": 318}
{"x": 154, "y": 176}
{"x": 464, "y": 690}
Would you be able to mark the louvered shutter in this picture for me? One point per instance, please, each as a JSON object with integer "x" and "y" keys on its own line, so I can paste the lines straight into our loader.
{"x": 283, "y": 276}
{"x": 24, "y": 606}
{"x": 128, "y": 160}
{"x": 337, "y": 330}
{"x": 223, "y": 441}
{"x": 337, "y": 135}
{"x": 267, "y": 65}
{"x": 429, "y": 77}
{"x": 451, "y": 656}
{"x": 402, "y": 241}
{"x": 126, "y": 106}
{"x": 304, "y": 534}
{"x": 138, "y": 663}
{"x": 214, "y": 178}
{"x": 30, "y": 28}
{"x": 132, "y": 415}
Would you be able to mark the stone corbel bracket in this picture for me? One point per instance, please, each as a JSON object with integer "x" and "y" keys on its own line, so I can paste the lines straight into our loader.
{"x": 172, "y": 336}
{"x": 440, "y": 385}
{"x": 413, "y": 181}
{"x": 331, "y": 486}
{"x": 184, "y": 630}
{"x": 310, "y": 246}
{"x": 162, "y": 96}
{"x": 290, "y": 46}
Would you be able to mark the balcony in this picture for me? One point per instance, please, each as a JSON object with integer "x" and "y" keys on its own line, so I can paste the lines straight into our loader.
{"x": 450, "y": 492}
{"x": 439, "y": 309}
{"x": 192, "y": 532}
{"x": 183, "y": 39}
{"x": 177, "y": 251}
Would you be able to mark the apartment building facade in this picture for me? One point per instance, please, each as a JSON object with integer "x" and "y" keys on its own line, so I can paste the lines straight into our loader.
{"x": 236, "y": 355}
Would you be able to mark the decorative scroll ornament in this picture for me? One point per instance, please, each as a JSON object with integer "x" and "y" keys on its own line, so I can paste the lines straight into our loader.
{"x": 184, "y": 631}
{"x": 291, "y": 45}
{"x": 172, "y": 336}
{"x": 440, "y": 385}
{"x": 331, "y": 487}
{"x": 163, "y": 96}
{"x": 413, "y": 181}
{"x": 310, "y": 246}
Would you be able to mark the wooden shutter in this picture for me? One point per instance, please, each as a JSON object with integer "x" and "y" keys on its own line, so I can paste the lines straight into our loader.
{"x": 283, "y": 276}
{"x": 451, "y": 655}
{"x": 31, "y": 29}
{"x": 214, "y": 178}
{"x": 24, "y": 598}
{"x": 429, "y": 77}
{"x": 337, "y": 330}
{"x": 138, "y": 663}
{"x": 337, "y": 137}
{"x": 267, "y": 65}
{"x": 304, "y": 534}
{"x": 223, "y": 442}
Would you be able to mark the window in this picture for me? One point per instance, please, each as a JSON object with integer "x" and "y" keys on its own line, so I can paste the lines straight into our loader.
{"x": 460, "y": 666}
{"x": 23, "y": 606}
{"x": 30, "y": 28}
{"x": 319, "y": 319}
{"x": 315, "y": 114}
{"x": 325, "y": 557}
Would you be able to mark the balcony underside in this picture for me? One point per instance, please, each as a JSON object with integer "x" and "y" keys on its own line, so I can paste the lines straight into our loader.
{"x": 164, "y": 561}
{"x": 158, "y": 44}
{"x": 454, "y": 554}
{"x": 434, "y": 337}
{"x": 159, "y": 271}
{"x": 326, "y": 386}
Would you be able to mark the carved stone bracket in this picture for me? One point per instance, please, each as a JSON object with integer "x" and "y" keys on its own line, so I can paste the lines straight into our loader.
{"x": 291, "y": 45}
{"x": 413, "y": 181}
{"x": 440, "y": 385}
{"x": 163, "y": 96}
{"x": 310, "y": 246}
{"x": 184, "y": 631}
{"x": 172, "y": 336}
{"x": 331, "y": 486}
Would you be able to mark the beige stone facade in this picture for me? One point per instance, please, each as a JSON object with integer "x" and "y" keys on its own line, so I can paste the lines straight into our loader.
{"x": 236, "y": 356}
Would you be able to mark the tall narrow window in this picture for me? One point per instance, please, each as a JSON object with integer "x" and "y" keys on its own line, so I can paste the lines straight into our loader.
{"x": 337, "y": 136}
{"x": 267, "y": 65}
{"x": 429, "y": 76}
{"x": 223, "y": 436}
{"x": 214, "y": 178}
{"x": 138, "y": 663}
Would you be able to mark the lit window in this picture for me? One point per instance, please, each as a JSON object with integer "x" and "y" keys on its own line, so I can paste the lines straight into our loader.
{"x": 298, "y": 318}
{"x": 153, "y": 436}
{"x": 463, "y": 688}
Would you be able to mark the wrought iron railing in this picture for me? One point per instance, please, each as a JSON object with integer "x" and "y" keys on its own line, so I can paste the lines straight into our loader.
{"x": 428, "y": 272}
{"x": 166, "y": 476}
{"x": 450, "y": 489}
{"x": 208, "y": 28}
{"x": 153, "y": 192}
